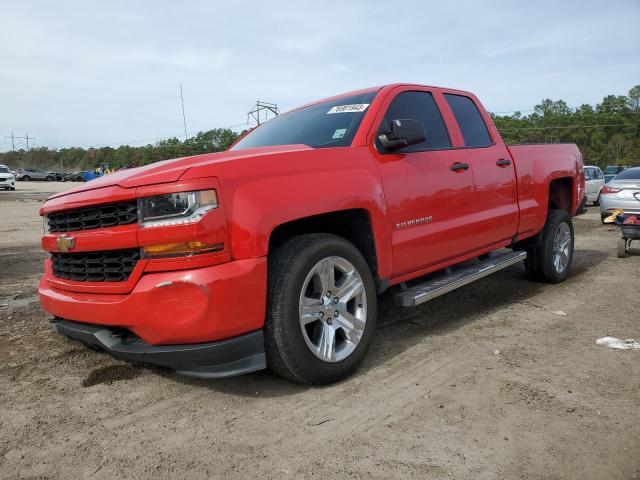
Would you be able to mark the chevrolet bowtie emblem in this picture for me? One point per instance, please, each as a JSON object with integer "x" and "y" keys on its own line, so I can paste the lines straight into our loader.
{"x": 65, "y": 243}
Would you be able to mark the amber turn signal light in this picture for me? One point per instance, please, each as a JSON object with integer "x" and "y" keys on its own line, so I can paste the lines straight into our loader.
{"x": 180, "y": 249}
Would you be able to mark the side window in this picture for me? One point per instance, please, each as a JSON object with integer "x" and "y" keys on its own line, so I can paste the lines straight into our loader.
{"x": 418, "y": 106}
{"x": 599, "y": 174}
{"x": 474, "y": 131}
{"x": 588, "y": 174}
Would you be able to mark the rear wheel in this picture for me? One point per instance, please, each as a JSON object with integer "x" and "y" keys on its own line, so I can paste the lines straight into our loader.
{"x": 321, "y": 309}
{"x": 552, "y": 260}
{"x": 49, "y": 179}
{"x": 26, "y": 178}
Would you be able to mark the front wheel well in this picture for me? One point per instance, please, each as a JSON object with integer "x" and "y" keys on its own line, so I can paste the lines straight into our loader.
{"x": 352, "y": 225}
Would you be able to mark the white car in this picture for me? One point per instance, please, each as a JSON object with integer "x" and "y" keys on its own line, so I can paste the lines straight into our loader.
{"x": 593, "y": 183}
{"x": 622, "y": 192}
{"x": 7, "y": 180}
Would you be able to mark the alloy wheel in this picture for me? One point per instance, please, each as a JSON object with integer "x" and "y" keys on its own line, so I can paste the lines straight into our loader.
{"x": 333, "y": 309}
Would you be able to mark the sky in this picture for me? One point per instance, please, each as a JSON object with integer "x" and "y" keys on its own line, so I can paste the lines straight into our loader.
{"x": 98, "y": 73}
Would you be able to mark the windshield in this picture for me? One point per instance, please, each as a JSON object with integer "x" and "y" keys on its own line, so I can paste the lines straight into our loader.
{"x": 4, "y": 170}
{"x": 327, "y": 124}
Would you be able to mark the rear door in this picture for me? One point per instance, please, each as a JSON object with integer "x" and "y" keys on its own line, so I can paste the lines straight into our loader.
{"x": 495, "y": 189}
{"x": 429, "y": 200}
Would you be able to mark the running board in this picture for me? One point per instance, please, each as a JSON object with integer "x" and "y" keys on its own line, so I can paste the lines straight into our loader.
{"x": 456, "y": 277}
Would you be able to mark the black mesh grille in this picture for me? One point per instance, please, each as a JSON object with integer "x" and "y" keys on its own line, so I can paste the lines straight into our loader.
{"x": 99, "y": 216}
{"x": 106, "y": 266}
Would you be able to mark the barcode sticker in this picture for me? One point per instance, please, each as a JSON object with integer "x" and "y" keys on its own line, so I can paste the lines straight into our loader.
{"x": 354, "y": 108}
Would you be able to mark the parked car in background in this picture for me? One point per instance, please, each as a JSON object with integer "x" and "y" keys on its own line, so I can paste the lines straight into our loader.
{"x": 593, "y": 182}
{"x": 57, "y": 176}
{"x": 29, "y": 174}
{"x": 614, "y": 169}
{"x": 7, "y": 180}
{"x": 77, "y": 176}
{"x": 622, "y": 192}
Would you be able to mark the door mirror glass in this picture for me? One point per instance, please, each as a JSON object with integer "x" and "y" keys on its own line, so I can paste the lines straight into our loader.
{"x": 403, "y": 133}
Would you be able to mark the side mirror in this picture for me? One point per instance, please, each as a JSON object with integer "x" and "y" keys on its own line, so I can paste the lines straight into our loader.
{"x": 403, "y": 133}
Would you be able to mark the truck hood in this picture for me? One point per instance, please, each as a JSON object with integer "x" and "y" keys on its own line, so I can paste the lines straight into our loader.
{"x": 168, "y": 171}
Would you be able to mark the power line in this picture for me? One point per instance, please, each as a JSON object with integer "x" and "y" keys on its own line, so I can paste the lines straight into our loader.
{"x": 260, "y": 107}
{"x": 13, "y": 140}
{"x": 570, "y": 126}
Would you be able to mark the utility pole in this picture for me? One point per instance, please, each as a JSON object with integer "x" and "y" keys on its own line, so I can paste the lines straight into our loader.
{"x": 26, "y": 137}
{"x": 13, "y": 142}
{"x": 184, "y": 119}
{"x": 260, "y": 107}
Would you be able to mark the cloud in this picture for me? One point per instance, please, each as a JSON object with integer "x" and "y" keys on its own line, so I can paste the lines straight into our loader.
{"x": 104, "y": 72}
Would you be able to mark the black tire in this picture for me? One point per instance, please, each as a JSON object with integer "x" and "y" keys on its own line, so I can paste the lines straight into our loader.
{"x": 596, "y": 203}
{"x": 49, "y": 179}
{"x": 539, "y": 263}
{"x": 287, "y": 352}
{"x": 26, "y": 178}
{"x": 12, "y": 188}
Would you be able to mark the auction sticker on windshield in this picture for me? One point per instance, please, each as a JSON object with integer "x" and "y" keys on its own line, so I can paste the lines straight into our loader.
{"x": 356, "y": 107}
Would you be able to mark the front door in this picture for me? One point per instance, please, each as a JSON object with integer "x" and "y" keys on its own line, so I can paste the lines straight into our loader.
{"x": 429, "y": 199}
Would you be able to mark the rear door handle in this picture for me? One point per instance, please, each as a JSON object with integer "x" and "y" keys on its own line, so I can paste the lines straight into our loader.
{"x": 459, "y": 166}
{"x": 503, "y": 162}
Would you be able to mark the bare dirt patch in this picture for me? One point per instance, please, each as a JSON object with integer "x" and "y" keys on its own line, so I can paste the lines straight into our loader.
{"x": 485, "y": 382}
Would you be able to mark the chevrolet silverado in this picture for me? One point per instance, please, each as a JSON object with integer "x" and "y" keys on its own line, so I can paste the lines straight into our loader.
{"x": 271, "y": 254}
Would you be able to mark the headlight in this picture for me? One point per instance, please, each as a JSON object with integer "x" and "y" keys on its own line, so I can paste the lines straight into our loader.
{"x": 175, "y": 208}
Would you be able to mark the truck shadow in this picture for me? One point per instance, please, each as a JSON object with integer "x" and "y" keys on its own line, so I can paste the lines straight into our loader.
{"x": 400, "y": 329}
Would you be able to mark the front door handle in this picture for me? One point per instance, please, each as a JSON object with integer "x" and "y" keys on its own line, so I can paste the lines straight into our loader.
{"x": 503, "y": 162}
{"x": 459, "y": 166}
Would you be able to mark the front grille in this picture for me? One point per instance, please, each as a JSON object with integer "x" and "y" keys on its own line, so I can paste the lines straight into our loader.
{"x": 106, "y": 266}
{"x": 98, "y": 216}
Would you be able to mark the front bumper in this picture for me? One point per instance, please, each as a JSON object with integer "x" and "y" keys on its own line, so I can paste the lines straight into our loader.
{"x": 224, "y": 358}
{"x": 172, "y": 308}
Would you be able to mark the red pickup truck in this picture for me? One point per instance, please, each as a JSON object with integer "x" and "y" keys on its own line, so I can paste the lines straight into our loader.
{"x": 272, "y": 253}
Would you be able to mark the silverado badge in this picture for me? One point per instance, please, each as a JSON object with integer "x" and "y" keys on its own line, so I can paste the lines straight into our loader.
{"x": 64, "y": 243}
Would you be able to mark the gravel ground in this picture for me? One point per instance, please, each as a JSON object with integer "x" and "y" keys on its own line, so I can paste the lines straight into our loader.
{"x": 500, "y": 379}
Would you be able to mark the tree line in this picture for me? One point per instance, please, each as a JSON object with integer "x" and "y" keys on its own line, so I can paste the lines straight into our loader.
{"x": 607, "y": 133}
{"x": 76, "y": 159}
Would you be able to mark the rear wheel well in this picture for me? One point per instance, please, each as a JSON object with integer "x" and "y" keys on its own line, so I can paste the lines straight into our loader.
{"x": 561, "y": 194}
{"x": 353, "y": 225}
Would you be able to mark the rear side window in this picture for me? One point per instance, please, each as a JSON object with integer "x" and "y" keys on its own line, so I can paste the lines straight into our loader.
{"x": 418, "y": 106}
{"x": 474, "y": 131}
{"x": 630, "y": 174}
{"x": 588, "y": 174}
{"x": 598, "y": 173}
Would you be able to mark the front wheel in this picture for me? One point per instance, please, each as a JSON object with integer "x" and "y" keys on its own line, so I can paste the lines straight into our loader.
{"x": 322, "y": 309}
{"x": 551, "y": 261}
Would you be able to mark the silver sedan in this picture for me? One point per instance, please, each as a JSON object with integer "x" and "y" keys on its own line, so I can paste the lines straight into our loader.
{"x": 623, "y": 192}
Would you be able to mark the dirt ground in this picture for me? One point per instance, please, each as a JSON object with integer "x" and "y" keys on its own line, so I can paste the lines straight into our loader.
{"x": 486, "y": 382}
